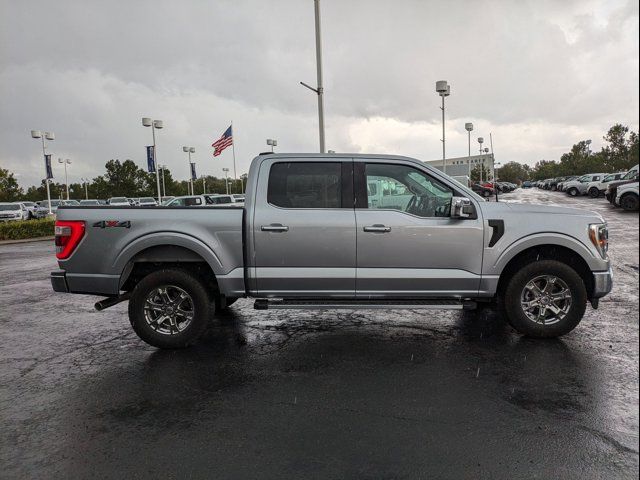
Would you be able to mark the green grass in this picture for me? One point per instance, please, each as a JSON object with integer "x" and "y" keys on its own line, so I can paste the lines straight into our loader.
{"x": 26, "y": 229}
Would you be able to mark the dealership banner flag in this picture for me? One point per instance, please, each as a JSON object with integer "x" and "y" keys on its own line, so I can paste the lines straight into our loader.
{"x": 151, "y": 159}
{"x": 47, "y": 166}
{"x": 193, "y": 172}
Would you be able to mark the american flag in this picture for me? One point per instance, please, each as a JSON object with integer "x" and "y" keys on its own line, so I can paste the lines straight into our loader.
{"x": 223, "y": 142}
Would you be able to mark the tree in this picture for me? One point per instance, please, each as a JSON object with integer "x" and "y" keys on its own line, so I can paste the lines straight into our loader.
{"x": 514, "y": 172}
{"x": 10, "y": 191}
{"x": 621, "y": 153}
{"x": 475, "y": 173}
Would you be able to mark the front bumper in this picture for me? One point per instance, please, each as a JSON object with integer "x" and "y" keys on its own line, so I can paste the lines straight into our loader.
{"x": 602, "y": 283}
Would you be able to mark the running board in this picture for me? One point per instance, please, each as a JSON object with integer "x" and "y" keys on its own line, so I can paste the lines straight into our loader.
{"x": 363, "y": 304}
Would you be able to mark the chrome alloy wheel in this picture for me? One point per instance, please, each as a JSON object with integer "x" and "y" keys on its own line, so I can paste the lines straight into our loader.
{"x": 168, "y": 309}
{"x": 546, "y": 299}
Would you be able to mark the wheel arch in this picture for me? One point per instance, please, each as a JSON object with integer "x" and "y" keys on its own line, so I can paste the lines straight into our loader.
{"x": 547, "y": 251}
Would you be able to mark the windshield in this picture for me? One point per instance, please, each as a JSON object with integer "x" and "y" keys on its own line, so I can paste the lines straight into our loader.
{"x": 89, "y": 202}
{"x": 147, "y": 200}
{"x": 28, "y": 204}
{"x": 6, "y": 208}
{"x": 71, "y": 202}
{"x": 119, "y": 200}
{"x": 45, "y": 203}
{"x": 632, "y": 174}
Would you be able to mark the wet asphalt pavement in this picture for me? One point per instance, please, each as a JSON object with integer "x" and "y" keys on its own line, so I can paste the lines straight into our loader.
{"x": 366, "y": 394}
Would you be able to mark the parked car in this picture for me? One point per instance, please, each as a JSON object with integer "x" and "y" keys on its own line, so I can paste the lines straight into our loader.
{"x": 90, "y": 203}
{"x": 482, "y": 190}
{"x": 167, "y": 200}
{"x": 119, "y": 202}
{"x": 553, "y": 183}
{"x": 612, "y": 189}
{"x": 43, "y": 208}
{"x": 597, "y": 188}
{"x": 147, "y": 202}
{"x": 579, "y": 186}
{"x": 527, "y": 184}
{"x": 229, "y": 200}
{"x": 627, "y": 196}
{"x": 31, "y": 208}
{"x": 566, "y": 180}
{"x": 12, "y": 212}
{"x": 426, "y": 242}
{"x": 188, "y": 201}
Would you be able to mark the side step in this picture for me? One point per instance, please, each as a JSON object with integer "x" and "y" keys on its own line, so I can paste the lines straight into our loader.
{"x": 363, "y": 304}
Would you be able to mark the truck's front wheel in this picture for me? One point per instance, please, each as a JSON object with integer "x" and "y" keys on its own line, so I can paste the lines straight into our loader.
{"x": 545, "y": 299}
{"x": 169, "y": 309}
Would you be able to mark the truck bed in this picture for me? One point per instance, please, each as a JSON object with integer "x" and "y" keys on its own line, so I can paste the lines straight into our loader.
{"x": 116, "y": 237}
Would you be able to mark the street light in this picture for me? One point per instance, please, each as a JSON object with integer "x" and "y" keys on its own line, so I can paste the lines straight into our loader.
{"x": 164, "y": 190}
{"x": 85, "y": 181}
{"x": 272, "y": 143}
{"x": 48, "y": 136}
{"x": 481, "y": 141}
{"x": 154, "y": 124}
{"x": 189, "y": 151}
{"x": 66, "y": 179}
{"x": 226, "y": 178}
{"x": 469, "y": 128}
{"x": 444, "y": 90}
{"x": 319, "y": 90}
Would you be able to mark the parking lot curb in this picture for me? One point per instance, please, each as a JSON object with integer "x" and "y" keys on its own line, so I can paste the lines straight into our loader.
{"x": 26, "y": 240}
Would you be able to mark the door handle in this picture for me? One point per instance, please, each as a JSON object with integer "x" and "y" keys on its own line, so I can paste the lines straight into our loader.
{"x": 377, "y": 229}
{"x": 274, "y": 227}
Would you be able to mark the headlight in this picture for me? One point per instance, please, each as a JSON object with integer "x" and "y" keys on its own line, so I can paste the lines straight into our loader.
{"x": 599, "y": 236}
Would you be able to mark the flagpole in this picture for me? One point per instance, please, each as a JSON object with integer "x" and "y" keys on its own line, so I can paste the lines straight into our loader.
{"x": 233, "y": 149}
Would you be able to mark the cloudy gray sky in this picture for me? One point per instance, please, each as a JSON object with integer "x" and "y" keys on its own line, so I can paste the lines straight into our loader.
{"x": 539, "y": 74}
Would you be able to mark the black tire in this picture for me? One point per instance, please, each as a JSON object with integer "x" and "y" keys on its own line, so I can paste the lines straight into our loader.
{"x": 486, "y": 194}
{"x": 594, "y": 192}
{"x": 573, "y": 191}
{"x": 198, "y": 300}
{"x": 554, "y": 188}
{"x": 629, "y": 202}
{"x": 511, "y": 305}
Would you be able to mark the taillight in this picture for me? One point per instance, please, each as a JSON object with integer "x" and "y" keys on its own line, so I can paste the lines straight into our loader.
{"x": 68, "y": 235}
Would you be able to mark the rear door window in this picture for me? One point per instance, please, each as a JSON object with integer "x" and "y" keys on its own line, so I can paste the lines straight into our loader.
{"x": 305, "y": 185}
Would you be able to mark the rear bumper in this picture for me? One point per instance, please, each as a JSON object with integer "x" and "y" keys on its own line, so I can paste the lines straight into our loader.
{"x": 59, "y": 281}
{"x": 602, "y": 283}
{"x": 88, "y": 284}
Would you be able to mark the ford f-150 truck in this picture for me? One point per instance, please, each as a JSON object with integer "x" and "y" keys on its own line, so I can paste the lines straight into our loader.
{"x": 336, "y": 231}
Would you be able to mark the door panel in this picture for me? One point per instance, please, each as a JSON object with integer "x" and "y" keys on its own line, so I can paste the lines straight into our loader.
{"x": 305, "y": 242}
{"x": 408, "y": 255}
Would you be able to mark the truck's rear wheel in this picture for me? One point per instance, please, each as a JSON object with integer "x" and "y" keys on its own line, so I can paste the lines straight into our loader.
{"x": 546, "y": 298}
{"x": 169, "y": 309}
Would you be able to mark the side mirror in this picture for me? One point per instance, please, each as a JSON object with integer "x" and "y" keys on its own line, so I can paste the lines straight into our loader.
{"x": 461, "y": 207}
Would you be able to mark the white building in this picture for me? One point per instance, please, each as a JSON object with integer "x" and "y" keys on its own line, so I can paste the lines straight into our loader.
{"x": 464, "y": 165}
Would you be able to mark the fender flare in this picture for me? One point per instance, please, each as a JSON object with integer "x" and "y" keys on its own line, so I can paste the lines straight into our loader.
{"x": 168, "y": 238}
{"x": 541, "y": 239}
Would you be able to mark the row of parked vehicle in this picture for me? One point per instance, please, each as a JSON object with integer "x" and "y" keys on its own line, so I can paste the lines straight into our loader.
{"x": 620, "y": 189}
{"x": 488, "y": 189}
{"x": 25, "y": 210}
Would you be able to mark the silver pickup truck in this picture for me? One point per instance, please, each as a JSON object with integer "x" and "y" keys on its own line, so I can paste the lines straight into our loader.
{"x": 335, "y": 232}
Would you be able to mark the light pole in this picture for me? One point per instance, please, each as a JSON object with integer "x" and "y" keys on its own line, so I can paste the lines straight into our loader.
{"x": 85, "y": 181}
{"x": 66, "y": 179}
{"x": 226, "y": 178}
{"x": 189, "y": 151}
{"x": 319, "y": 90}
{"x": 469, "y": 128}
{"x": 49, "y": 136}
{"x": 154, "y": 124}
{"x": 444, "y": 90}
{"x": 588, "y": 142}
{"x": 164, "y": 190}
{"x": 204, "y": 185}
{"x": 272, "y": 143}
{"x": 481, "y": 141}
